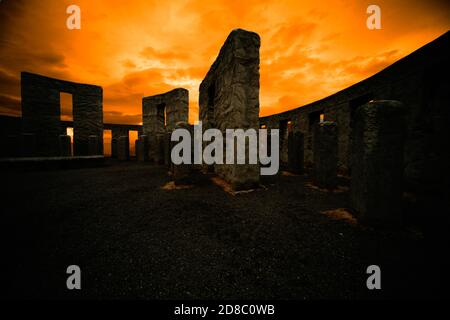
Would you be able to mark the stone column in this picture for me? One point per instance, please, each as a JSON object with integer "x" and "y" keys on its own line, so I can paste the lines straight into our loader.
{"x": 158, "y": 149}
{"x": 28, "y": 144}
{"x": 182, "y": 173}
{"x": 113, "y": 148}
{"x": 295, "y": 152}
{"x": 142, "y": 148}
{"x": 325, "y": 154}
{"x": 65, "y": 148}
{"x": 377, "y": 161}
{"x": 167, "y": 150}
{"x": 12, "y": 146}
{"x": 123, "y": 148}
{"x": 93, "y": 145}
{"x": 138, "y": 150}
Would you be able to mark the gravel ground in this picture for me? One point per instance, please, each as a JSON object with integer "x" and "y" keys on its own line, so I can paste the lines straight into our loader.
{"x": 134, "y": 239}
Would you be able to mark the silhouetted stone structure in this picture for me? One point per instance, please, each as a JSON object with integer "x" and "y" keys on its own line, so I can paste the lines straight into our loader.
{"x": 65, "y": 146}
{"x": 123, "y": 148}
{"x": 94, "y": 146}
{"x": 167, "y": 150}
{"x": 41, "y": 112}
{"x": 325, "y": 155}
{"x": 13, "y": 145}
{"x": 142, "y": 148}
{"x": 183, "y": 173}
{"x": 377, "y": 161}
{"x": 114, "y": 147}
{"x": 28, "y": 145}
{"x": 295, "y": 152}
{"x": 229, "y": 99}
{"x": 160, "y": 113}
{"x": 421, "y": 82}
{"x": 157, "y": 153}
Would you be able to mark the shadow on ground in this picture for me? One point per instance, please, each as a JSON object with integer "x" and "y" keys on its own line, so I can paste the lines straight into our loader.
{"x": 132, "y": 238}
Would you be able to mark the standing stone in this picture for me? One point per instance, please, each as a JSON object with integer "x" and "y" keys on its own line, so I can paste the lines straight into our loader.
{"x": 377, "y": 161}
{"x": 295, "y": 152}
{"x": 65, "y": 147}
{"x": 28, "y": 144}
{"x": 123, "y": 148}
{"x": 114, "y": 148}
{"x": 183, "y": 173}
{"x": 167, "y": 150}
{"x": 157, "y": 148}
{"x": 41, "y": 112}
{"x": 325, "y": 154}
{"x": 138, "y": 150}
{"x": 142, "y": 148}
{"x": 12, "y": 146}
{"x": 93, "y": 145}
{"x": 229, "y": 99}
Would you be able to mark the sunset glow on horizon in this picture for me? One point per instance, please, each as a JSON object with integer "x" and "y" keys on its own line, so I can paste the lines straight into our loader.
{"x": 309, "y": 49}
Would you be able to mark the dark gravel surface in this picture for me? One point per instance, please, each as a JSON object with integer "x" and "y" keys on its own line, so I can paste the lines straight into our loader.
{"x": 133, "y": 239}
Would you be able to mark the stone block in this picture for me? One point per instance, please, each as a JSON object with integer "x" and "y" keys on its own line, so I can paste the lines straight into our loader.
{"x": 325, "y": 154}
{"x": 295, "y": 152}
{"x": 123, "y": 148}
{"x": 377, "y": 161}
{"x": 65, "y": 146}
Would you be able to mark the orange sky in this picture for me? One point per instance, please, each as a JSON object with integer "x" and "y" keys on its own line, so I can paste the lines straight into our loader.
{"x": 136, "y": 48}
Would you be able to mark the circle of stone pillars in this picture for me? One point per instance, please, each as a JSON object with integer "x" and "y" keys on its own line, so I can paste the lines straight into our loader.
{"x": 377, "y": 162}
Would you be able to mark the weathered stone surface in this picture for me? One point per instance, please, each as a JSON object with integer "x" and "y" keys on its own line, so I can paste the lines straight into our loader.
{"x": 27, "y": 144}
{"x": 377, "y": 161}
{"x": 295, "y": 152}
{"x": 93, "y": 145}
{"x": 421, "y": 82}
{"x": 160, "y": 113}
{"x": 65, "y": 147}
{"x": 123, "y": 148}
{"x": 41, "y": 112}
{"x": 229, "y": 98}
{"x": 142, "y": 148}
{"x": 325, "y": 155}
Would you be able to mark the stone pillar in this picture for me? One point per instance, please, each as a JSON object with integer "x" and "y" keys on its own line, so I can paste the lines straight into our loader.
{"x": 113, "y": 148}
{"x": 142, "y": 148}
{"x": 28, "y": 144}
{"x": 65, "y": 148}
{"x": 137, "y": 148}
{"x": 123, "y": 148}
{"x": 93, "y": 146}
{"x": 377, "y": 161}
{"x": 295, "y": 152}
{"x": 156, "y": 145}
{"x": 183, "y": 173}
{"x": 167, "y": 150}
{"x": 13, "y": 146}
{"x": 325, "y": 154}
